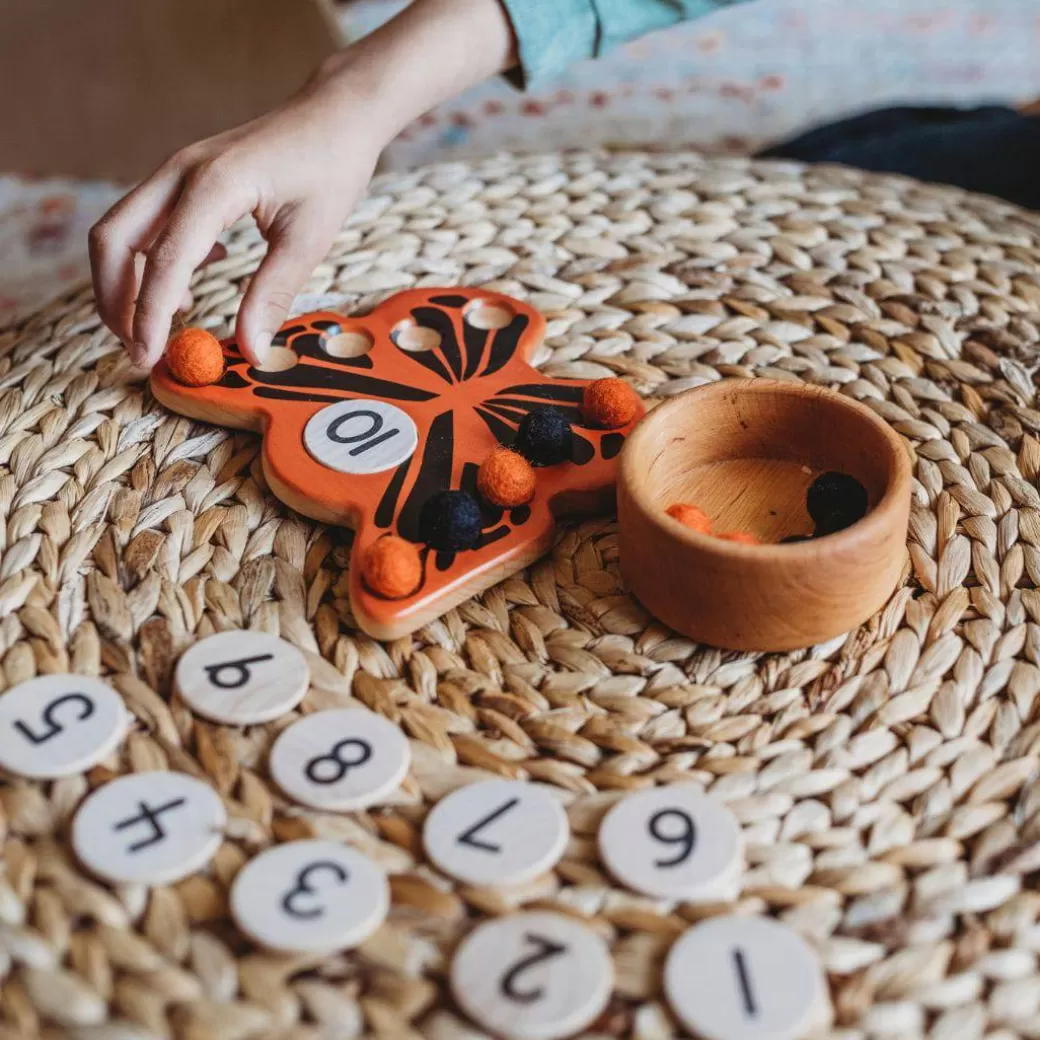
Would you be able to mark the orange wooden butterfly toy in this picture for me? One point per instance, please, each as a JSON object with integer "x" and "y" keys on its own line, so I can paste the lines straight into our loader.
{"x": 363, "y": 437}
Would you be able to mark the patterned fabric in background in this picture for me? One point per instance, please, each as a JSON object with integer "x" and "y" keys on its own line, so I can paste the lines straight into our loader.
{"x": 735, "y": 81}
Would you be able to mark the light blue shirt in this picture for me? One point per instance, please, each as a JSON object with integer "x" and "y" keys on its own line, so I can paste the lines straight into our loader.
{"x": 551, "y": 34}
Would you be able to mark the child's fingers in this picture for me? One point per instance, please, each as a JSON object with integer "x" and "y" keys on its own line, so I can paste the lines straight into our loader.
{"x": 127, "y": 229}
{"x": 296, "y": 247}
{"x": 204, "y": 210}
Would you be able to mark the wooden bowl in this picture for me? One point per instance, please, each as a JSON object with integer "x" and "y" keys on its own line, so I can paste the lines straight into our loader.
{"x": 745, "y": 451}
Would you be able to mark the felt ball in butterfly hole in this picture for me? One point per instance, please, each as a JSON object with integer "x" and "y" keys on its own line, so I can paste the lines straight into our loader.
{"x": 609, "y": 403}
{"x": 835, "y": 501}
{"x": 506, "y": 479}
{"x": 450, "y": 520}
{"x": 195, "y": 357}
{"x": 392, "y": 567}
{"x": 690, "y": 516}
{"x": 544, "y": 437}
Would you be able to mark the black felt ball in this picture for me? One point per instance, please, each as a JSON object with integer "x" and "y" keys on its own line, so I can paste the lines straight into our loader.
{"x": 544, "y": 437}
{"x": 450, "y": 520}
{"x": 835, "y": 501}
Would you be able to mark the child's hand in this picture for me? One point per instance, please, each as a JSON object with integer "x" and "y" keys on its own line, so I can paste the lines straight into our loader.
{"x": 298, "y": 170}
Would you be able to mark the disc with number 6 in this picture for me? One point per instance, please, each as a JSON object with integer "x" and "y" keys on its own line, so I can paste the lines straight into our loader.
{"x": 674, "y": 842}
{"x": 532, "y": 976}
{"x": 340, "y": 760}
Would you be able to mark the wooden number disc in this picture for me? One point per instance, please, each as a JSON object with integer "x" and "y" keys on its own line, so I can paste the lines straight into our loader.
{"x": 340, "y": 760}
{"x": 745, "y": 978}
{"x": 361, "y": 436}
{"x": 58, "y": 725}
{"x": 242, "y": 678}
{"x": 149, "y": 828}
{"x": 310, "y": 897}
{"x": 674, "y": 842}
{"x": 498, "y": 832}
{"x": 532, "y": 976}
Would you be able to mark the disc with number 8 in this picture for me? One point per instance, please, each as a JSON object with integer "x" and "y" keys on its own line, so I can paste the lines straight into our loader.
{"x": 340, "y": 760}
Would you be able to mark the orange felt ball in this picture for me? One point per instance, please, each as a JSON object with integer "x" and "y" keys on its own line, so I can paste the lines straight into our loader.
{"x": 742, "y": 537}
{"x": 609, "y": 403}
{"x": 391, "y": 567}
{"x": 506, "y": 479}
{"x": 195, "y": 357}
{"x": 690, "y": 516}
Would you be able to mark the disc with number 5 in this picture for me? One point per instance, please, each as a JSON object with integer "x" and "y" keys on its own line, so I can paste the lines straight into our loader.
{"x": 57, "y": 725}
{"x": 340, "y": 760}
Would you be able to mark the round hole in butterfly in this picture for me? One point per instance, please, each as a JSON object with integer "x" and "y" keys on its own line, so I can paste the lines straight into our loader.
{"x": 484, "y": 315}
{"x": 415, "y": 338}
{"x": 278, "y": 360}
{"x": 348, "y": 344}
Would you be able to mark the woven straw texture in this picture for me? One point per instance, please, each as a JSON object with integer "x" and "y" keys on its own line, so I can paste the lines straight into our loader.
{"x": 887, "y": 781}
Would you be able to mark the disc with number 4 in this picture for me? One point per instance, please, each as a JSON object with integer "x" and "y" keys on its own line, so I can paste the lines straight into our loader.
{"x": 340, "y": 760}
{"x": 532, "y": 976}
{"x": 58, "y": 725}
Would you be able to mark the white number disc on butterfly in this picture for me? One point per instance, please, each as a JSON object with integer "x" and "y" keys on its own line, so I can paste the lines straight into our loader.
{"x": 242, "y": 678}
{"x": 149, "y": 828}
{"x": 361, "y": 436}
{"x": 340, "y": 760}
{"x": 745, "y": 978}
{"x": 497, "y": 832}
{"x": 674, "y": 842}
{"x": 58, "y": 725}
{"x": 310, "y": 897}
{"x": 532, "y": 976}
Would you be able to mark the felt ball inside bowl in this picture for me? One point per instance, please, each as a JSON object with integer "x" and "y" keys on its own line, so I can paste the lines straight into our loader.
{"x": 747, "y": 451}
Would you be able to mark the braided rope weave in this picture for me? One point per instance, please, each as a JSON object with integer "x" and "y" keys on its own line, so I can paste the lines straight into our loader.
{"x": 887, "y": 782}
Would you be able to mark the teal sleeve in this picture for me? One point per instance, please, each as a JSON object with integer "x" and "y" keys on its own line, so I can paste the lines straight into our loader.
{"x": 552, "y": 34}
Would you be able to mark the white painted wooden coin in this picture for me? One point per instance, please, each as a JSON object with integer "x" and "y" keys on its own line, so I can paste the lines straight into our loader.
{"x": 745, "y": 978}
{"x": 674, "y": 843}
{"x": 497, "y": 832}
{"x": 532, "y": 976}
{"x": 310, "y": 897}
{"x": 58, "y": 725}
{"x": 340, "y": 760}
{"x": 361, "y": 436}
{"x": 149, "y": 828}
{"x": 242, "y": 678}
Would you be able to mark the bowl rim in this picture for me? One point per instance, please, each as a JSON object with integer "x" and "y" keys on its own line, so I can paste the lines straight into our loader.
{"x": 876, "y": 523}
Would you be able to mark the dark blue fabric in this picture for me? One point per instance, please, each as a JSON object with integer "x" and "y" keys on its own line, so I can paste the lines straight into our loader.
{"x": 993, "y": 150}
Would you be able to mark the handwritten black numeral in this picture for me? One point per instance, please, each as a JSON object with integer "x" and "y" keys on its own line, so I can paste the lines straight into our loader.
{"x": 745, "y": 983}
{"x": 546, "y": 950}
{"x": 148, "y": 814}
{"x": 684, "y": 836}
{"x": 303, "y": 888}
{"x": 469, "y": 836}
{"x": 319, "y": 773}
{"x": 48, "y": 716}
{"x": 240, "y": 668}
{"x": 368, "y": 438}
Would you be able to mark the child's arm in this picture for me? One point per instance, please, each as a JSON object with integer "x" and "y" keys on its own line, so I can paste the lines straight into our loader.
{"x": 300, "y": 168}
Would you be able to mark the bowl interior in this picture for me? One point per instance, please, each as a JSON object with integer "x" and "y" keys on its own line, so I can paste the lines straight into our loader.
{"x": 746, "y": 454}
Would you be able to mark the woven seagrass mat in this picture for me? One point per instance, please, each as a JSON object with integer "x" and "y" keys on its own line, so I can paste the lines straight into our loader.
{"x": 887, "y": 781}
